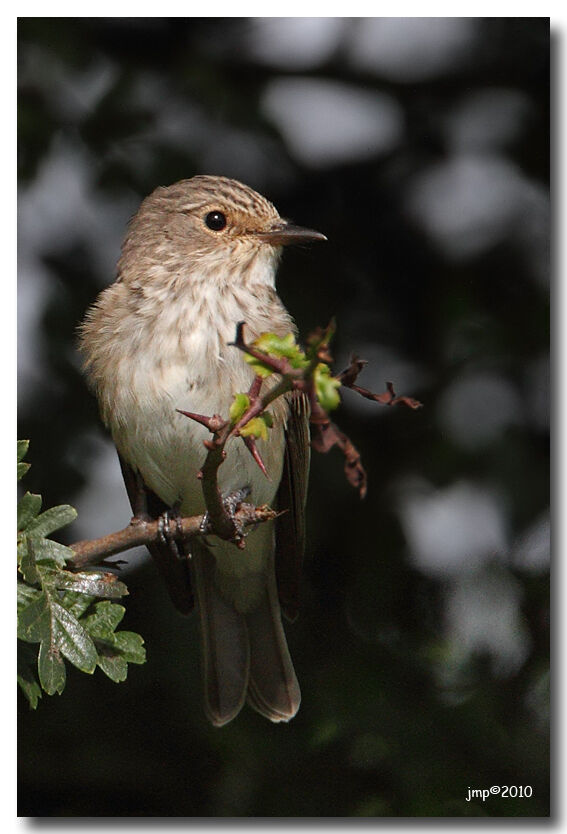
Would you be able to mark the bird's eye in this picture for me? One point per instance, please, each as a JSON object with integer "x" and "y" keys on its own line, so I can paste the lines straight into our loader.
{"x": 215, "y": 220}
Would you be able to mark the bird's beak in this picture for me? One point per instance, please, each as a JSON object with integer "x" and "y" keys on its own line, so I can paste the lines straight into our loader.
{"x": 284, "y": 234}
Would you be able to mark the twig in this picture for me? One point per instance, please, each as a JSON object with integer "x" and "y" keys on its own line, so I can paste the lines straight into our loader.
{"x": 143, "y": 533}
{"x": 388, "y": 397}
{"x": 325, "y": 435}
{"x": 138, "y": 532}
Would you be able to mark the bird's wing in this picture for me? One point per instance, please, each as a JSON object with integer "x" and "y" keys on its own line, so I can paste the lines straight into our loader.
{"x": 173, "y": 566}
{"x": 292, "y": 495}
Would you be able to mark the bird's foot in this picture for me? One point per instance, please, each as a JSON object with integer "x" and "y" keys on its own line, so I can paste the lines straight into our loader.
{"x": 169, "y": 530}
{"x": 231, "y": 503}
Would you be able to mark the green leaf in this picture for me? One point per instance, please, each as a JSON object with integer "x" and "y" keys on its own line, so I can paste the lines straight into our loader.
{"x": 33, "y": 622}
{"x": 55, "y": 613}
{"x": 326, "y": 387}
{"x": 112, "y": 663}
{"x": 259, "y": 367}
{"x": 278, "y": 347}
{"x": 22, "y": 469}
{"x": 132, "y": 646}
{"x": 51, "y": 668}
{"x": 282, "y": 347}
{"x": 115, "y": 651}
{"x": 52, "y": 519}
{"x": 45, "y": 620}
{"x": 104, "y": 620}
{"x": 40, "y": 560}
{"x": 71, "y": 639}
{"x": 27, "y": 674}
{"x": 95, "y": 584}
{"x": 115, "y": 654}
{"x": 76, "y": 603}
{"x": 47, "y": 549}
{"x": 26, "y": 595}
{"x": 29, "y": 506}
{"x": 257, "y": 427}
{"x": 28, "y": 566}
{"x": 23, "y": 446}
{"x": 238, "y": 406}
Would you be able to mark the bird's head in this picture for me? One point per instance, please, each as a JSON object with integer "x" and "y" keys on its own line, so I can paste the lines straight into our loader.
{"x": 210, "y": 224}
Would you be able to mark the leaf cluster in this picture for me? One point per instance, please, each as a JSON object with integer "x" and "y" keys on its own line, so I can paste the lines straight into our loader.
{"x": 308, "y": 372}
{"x": 305, "y": 361}
{"x": 71, "y": 615}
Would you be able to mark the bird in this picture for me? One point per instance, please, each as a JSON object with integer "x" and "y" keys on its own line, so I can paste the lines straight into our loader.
{"x": 199, "y": 257}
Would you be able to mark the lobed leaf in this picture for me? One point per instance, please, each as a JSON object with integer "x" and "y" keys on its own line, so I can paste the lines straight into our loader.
{"x": 104, "y": 619}
{"x": 23, "y": 446}
{"x": 112, "y": 663}
{"x": 115, "y": 654}
{"x": 26, "y": 594}
{"x": 22, "y": 469}
{"x": 51, "y": 668}
{"x": 29, "y": 506}
{"x": 33, "y": 621}
{"x": 95, "y": 584}
{"x": 52, "y": 519}
{"x": 27, "y": 561}
{"x": 27, "y": 674}
{"x": 53, "y": 614}
{"x": 70, "y": 638}
{"x": 48, "y": 549}
{"x": 48, "y": 622}
{"x": 76, "y": 603}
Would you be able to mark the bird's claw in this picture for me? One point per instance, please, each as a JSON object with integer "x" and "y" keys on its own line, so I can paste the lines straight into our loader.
{"x": 231, "y": 504}
{"x": 167, "y": 535}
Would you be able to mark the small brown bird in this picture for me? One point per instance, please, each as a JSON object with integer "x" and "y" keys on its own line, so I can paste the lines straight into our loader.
{"x": 199, "y": 257}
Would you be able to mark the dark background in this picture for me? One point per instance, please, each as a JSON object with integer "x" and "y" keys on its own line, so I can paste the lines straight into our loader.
{"x": 420, "y": 148}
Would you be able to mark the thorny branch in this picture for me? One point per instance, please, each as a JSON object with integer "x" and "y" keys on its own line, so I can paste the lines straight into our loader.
{"x": 222, "y": 520}
{"x": 324, "y": 433}
{"x": 141, "y": 533}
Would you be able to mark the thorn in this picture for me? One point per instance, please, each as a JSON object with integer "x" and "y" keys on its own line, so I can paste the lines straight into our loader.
{"x": 250, "y": 444}
{"x": 213, "y": 424}
{"x": 199, "y": 418}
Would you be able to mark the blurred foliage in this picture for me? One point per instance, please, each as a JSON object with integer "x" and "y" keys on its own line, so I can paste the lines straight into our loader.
{"x": 402, "y": 710}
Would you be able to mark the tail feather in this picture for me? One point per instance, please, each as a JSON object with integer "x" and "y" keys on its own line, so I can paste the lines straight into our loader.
{"x": 225, "y": 646}
{"x": 245, "y": 656}
{"x": 273, "y": 689}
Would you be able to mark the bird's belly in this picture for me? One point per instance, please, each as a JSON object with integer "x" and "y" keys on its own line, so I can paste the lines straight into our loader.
{"x": 168, "y": 448}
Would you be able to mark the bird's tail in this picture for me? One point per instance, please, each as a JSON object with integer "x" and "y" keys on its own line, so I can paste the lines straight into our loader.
{"x": 245, "y": 656}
